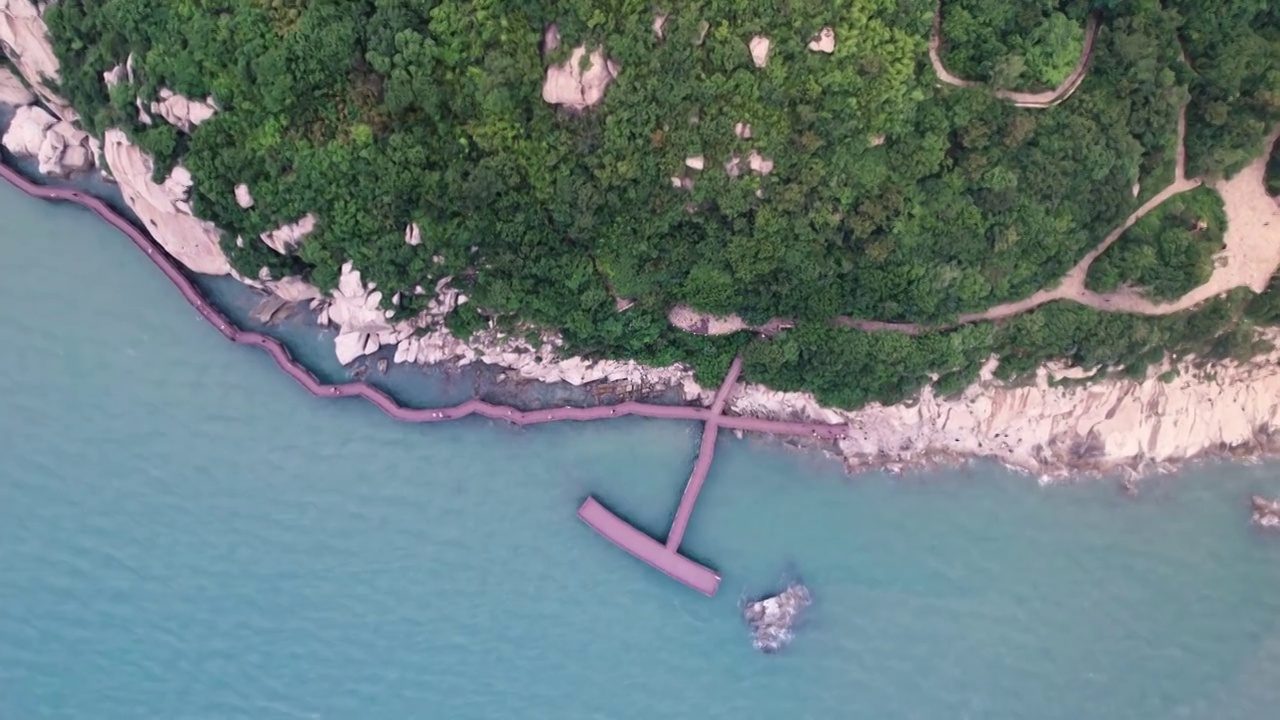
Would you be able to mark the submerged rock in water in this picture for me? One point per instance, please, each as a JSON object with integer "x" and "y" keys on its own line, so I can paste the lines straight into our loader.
{"x": 773, "y": 618}
{"x": 1266, "y": 513}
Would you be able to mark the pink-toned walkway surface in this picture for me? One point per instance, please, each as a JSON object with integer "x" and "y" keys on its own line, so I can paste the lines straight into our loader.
{"x": 712, "y": 416}
{"x": 666, "y": 557}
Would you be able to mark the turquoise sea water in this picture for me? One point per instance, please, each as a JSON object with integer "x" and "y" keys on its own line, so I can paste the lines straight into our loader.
{"x": 184, "y": 533}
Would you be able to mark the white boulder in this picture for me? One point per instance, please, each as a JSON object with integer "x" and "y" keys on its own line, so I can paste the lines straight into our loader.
{"x": 759, "y": 47}
{"x": 26, "y": 133}
{"x": 568, "y": 85}
{"x": 243, "y": 197}
{"x": 287, "y": 237}
{"x": 182, "y": 112}
{"x": 824, "y": 41}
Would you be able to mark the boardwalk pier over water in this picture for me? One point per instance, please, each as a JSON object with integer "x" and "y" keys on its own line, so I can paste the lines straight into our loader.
{"x": 666, "y": 559}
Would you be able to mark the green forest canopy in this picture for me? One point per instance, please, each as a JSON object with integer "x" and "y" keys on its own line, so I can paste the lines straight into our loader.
{"x": 1169, "y": 252}
{"x": 377, "y": 113}
{"x": 1026, "y": 45}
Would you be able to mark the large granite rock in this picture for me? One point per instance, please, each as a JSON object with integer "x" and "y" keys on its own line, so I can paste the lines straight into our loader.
{"x": 164, "y": 208}
{"x": 60, "y": 147}
{"x": 12, "y": 91}
{"x": 23, "y": 30}
{"x": 182, "y": 112}
{"x": 773, "y": 619}
{"x": 569, "y": 85}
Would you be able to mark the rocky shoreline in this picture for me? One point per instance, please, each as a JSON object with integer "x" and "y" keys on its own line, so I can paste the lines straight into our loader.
{"x": 1053, "y": 427}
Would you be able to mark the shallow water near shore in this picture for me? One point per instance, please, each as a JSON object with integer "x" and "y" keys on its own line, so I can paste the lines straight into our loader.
{"x": 185, "y": 533}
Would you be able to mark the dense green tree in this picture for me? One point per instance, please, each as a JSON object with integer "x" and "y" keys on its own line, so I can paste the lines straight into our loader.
{"x": 891, "y": 197}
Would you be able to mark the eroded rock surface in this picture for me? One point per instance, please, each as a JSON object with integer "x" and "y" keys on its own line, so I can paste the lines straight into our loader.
{"x": 164, "y": 208}
{"x": 12, "y": 91}
{"x": 568, "y": 85}
{"x": 182, "y": 112}
{"x": 287, "y": 237}
{"x": 1266, "y": 513}
{"x": 60, "y": 148}
{"x": 759, "y": 47}
{"x": 773, "y": 619}
{"x": 244, "y": 198}
{"x": 824, "y": 41}
{"x": 23, "y": 30}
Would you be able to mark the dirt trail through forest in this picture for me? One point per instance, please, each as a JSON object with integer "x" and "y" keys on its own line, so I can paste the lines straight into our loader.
{"x": 1045, "y": 99}
{"x": 1250, "y": 258}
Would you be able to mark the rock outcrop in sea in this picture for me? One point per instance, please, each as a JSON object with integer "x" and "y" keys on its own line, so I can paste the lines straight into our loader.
{"x": 1266, "y": 513}
{"x": 773, "y": 619}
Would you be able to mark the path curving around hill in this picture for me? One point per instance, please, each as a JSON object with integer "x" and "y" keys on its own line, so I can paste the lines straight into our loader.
{"x": 1044, "y": 99}
{"x": 1249, "y": 258}
{"x": 382, "y": 401}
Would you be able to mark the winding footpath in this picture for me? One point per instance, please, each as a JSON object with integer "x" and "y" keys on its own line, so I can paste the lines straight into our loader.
{"x": 1045, "y": 99}
{"x": 1249, "y": 258}
{"x": 664, "y": 557}
{"x": 359, "y": 389}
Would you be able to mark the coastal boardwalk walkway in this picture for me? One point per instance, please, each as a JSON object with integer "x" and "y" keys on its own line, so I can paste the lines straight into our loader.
{"x": 666, "y": 557}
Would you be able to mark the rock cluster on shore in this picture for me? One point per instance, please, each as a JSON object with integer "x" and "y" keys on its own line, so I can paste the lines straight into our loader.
{"x": 773, "y": 619}
{"x": 60, "y": 148}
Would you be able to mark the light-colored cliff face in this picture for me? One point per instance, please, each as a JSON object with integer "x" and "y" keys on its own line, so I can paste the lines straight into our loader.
{"x": 23, "y": 30}
{"x": 164, "y": 208}
{"x": 1051, "y": 430}
{"x": 12, "y": 91}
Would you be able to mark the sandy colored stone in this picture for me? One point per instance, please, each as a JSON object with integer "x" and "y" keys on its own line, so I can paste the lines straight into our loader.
{"x": 659, "y": 24}
{"x": 759, "y": 164}
{"x": 27, "y": 130}
{"x": 759, "y": 47}
{"x": 191, "y": 241}
{"x": 287, "y": 237}
{"x": 23, "y": 30}
{"x": 182, "y": 112}
{"x": 568, "y": 85}
{"x": 12, "y": 91}
{"x": 244, "y": 198}
{"x": 824, "y": 41}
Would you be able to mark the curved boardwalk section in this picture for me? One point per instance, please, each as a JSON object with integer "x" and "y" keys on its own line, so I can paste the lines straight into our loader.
{"x": 662, "y": 556}
{"x": 629, "y": 538}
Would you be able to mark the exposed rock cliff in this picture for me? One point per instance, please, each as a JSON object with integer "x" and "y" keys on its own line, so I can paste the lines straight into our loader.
{"x": 164, "y": 208}
{"x": 12, "y": 91}
{"x": 23, "y": 31}
{"x": 1050, "y": 429}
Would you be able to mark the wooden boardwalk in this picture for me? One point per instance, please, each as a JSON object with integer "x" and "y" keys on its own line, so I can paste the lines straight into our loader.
{"x": 666, "y": 557}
